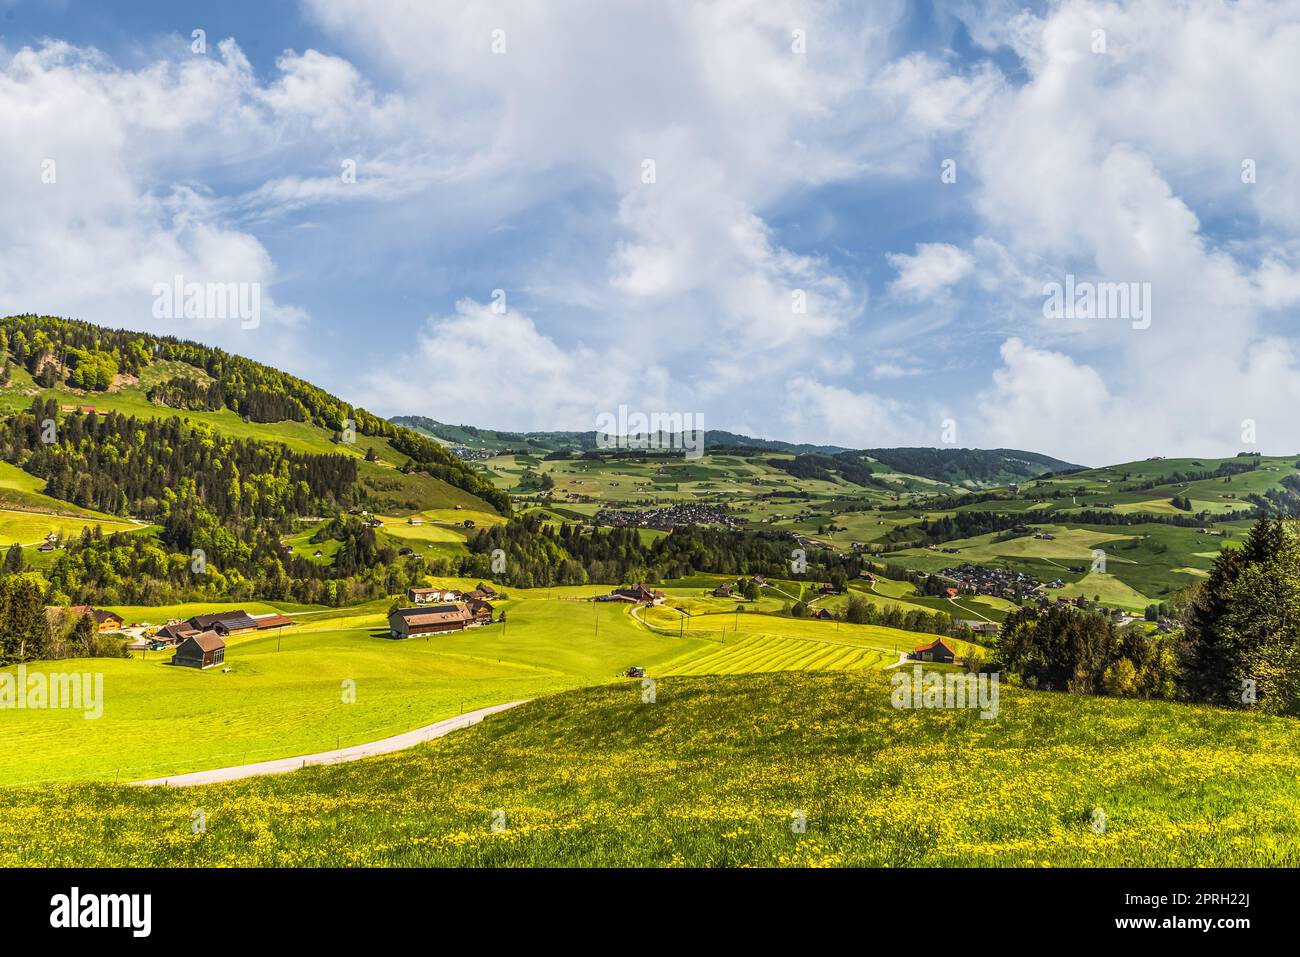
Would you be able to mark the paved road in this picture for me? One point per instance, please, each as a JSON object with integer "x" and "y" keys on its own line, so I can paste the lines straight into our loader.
{"x": 384, "y": 746}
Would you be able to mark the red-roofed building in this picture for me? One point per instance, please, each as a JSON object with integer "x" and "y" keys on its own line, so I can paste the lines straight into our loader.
{"x": 938, "y": 651}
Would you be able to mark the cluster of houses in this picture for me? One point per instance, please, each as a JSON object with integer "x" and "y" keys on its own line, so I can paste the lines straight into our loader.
{"x": 426, "y": 596}
{"x": 670, "y": 516}
{"x": 998, "y": 582}
{"x": 200, "y": 640}
{"x": 436, "y": 610}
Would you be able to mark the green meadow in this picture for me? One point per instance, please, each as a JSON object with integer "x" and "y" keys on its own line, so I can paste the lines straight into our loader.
{"x": 281, "y": 694}
{"x": 813, "y": 769}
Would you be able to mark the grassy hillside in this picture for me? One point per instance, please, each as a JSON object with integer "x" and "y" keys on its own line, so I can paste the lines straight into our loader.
{"x": 711, "y": 774}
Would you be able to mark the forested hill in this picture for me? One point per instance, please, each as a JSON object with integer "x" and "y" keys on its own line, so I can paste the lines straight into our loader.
{"x": 73, "y": 355}
{"x": 985, "y": 466}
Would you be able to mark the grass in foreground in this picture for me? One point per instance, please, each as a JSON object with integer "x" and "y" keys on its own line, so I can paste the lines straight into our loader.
{"x": 711, "y": 773}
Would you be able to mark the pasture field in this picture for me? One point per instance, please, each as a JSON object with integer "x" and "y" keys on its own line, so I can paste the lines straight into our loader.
{"x": 597, "y": 777}
{"x": 30, "y": 528}
{"x": 158, "y": 719}
{"x": 1111, "y": 590}
{"x": 160, "y": 614}
{"x": 749, "y": 653}
{"x": 737, "y": 625}
{"x": 303, "y": 546}
{"x": 1067, "y": 544}
{"x": 425, "y": 533}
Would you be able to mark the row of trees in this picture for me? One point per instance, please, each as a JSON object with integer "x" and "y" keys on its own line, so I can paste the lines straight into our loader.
{"x": 537, "y": 554}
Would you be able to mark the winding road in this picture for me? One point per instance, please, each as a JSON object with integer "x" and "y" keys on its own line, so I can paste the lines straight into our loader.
{"x": 397, "y": 742}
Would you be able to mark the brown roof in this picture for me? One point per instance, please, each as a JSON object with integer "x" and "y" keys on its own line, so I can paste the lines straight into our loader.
{"x": 207, "y": 641}
{"x": 273, "y": 621}
{"x": 439, "y": 614}
{"x": 102, "y": 616}
{"x": 207, "y": 621}
{"x": 937, "y": 641}
{"x": 425, "y": 591}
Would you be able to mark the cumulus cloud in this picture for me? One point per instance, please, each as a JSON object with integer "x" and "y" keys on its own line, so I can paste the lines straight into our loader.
{"x": 1067, "y": 187}
{"x": 96, "y": 214}
{"x": 478, "y": 356}
{"x": 933, "y": 268}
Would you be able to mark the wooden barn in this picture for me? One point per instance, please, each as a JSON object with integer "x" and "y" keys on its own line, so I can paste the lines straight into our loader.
{"x": 272, "y": 621}
{"x": 937, "y": 651}
{"x": 409, "y": 622}
{"x": 207, "y": 649}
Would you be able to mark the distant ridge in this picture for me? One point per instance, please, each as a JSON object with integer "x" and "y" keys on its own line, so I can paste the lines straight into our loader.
{"x": 983, "y": 466}
{"x": 543, "y": 442}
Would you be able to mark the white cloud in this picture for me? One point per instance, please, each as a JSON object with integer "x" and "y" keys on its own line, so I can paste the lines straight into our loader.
{"x": 477, "y": 358}
{"x": 834, "y": 415}
{"x": 1086, "y": 169}
{"x": 935, "y": 267}
{"x": 95, "y": 211}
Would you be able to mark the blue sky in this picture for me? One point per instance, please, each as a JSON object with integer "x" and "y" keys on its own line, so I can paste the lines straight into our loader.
{"x": 797, "y": 150}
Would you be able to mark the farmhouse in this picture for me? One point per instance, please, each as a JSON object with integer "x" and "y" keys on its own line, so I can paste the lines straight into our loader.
{"x": 204, "y": 650}
{"x": 481, "y": 610}
{"x": 224, "y": 623}
{"x": 104, "y": 620}
{"x": 408, "y": 622}
{"x": 722, "y": 591}
{"x": 937, "y": 651}
{"x": 638, "y": 593}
